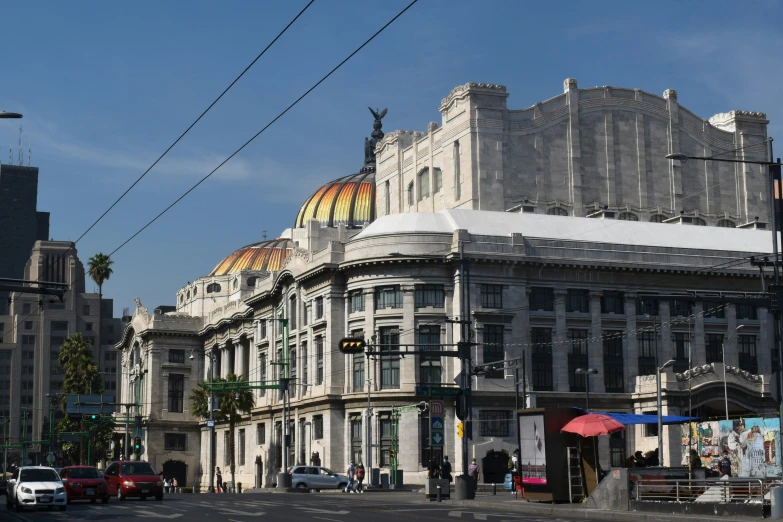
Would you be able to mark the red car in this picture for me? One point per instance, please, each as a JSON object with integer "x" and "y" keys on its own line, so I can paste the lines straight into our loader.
{"x": 84, "y": 483}
{"x": 133, "y": 478}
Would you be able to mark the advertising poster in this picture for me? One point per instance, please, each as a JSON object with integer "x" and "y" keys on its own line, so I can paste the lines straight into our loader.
{"x": 532, "y": 449}
{"x": 751, "y": 443}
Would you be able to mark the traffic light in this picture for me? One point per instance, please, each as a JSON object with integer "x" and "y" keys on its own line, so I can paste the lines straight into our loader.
{"x": 352, "y": 345}
{"x": 423, "y": 406}
{"x": 392, "y": 454}
{"x": 137, "y": 445}
{"x": 460, "y": 406}
{"x": 91, "y": 417}
{"x": 460, "y": 430}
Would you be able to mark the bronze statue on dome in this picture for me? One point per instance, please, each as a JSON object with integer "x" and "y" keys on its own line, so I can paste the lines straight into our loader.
{"x": 377, "y": 135}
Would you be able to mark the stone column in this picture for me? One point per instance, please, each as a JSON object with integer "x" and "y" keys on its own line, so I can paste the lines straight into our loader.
{"x": 408, "y": 334}
{"x": 732, "y": 353}
{"x": 631, "y": 355}
{"x": 225, "y": 361}
{"x": 698, "y": 348}
{"x": 369, "y": 331}
{"x": 596, "y": 346}
{"x": 239, "y": 359}
{"x": 560, "y": 346}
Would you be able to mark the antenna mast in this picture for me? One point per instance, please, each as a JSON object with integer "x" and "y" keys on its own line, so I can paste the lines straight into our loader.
{"x": 21, "y": 152}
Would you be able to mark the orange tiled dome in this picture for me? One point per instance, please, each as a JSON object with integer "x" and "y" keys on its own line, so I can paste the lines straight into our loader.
{"x": 349, "y": 201}
{"x": 265, "y": 256}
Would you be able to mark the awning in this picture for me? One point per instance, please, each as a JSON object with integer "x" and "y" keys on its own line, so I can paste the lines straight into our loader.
{"x": 637, "y": 418}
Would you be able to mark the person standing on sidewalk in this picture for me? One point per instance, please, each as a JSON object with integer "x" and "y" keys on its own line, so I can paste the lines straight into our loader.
{"x": 474, "y": 472}
{"x": 219, "y": 480}
{"x": 174, "y": 485}
{"x": 350, "y": 473}
{"x": 360, "y": 477}
{"x": 724, "y": 465}
{"x": 445, "y": 469}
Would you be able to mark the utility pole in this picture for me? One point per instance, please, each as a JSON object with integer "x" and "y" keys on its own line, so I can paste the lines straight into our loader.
{"x": 516, "y": 423}
{"x": 23, "y": 439}
{"x": 369, "y": 420}
{"x": 6, "y": 421}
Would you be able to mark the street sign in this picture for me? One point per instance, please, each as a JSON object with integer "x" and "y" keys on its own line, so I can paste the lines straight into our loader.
{"x": 211, "y": 424}
{"x": 437, "y": 438}
{"x": 437, "y": 423}
{"x": 89, "y": 404}
{"x": 461, "y": 380}
{"x": 434, "y": 391}
{"x": 436, "y": 408}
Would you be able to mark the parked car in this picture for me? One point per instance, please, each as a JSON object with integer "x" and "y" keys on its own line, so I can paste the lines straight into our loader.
{"x": 133, "y": 478}
{"x": 316, "y": 477}
{"x": 35, "y": 487}
{"x": 84, "y": 483}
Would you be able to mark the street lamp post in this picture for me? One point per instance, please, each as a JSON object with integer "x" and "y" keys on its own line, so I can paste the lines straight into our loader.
{"x": 725, "y": 386}
{"x": 665, "y": 365}
{"x": 587, "y": 373}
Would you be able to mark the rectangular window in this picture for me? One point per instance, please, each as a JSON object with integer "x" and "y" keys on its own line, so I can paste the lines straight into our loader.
{"x": 260, "y": 433}
{"x": 358, "y": 372}
{"x": 746, "y": 345}
{"x": 648, "y": 352}
{"x": 681, "y": 308}
{"x": 390, "y": 365}
{"x": 746, "y": 311}
{"x": 493, "y": 349}
{"x": 429, "y": 296}
{"x": 86, "y": 310}
{"x": 650, "y": 430}
{"x": 577, "y": 358}
{"x": 318, "y": 427}
{"x": 714, "y": 311}
{"x": 177, "y": 356}
{"x": 617, "y": 449}
{"x": 175, "y": 441}
{"x": 110, "y": 329}
{"x": 613, "y": 303}
{"x": 319, "y": 308}
{"x": 241, "y": 447}
{"x": 541, "y": 358}
{"x": 614, "y": 380}
{"x": 227, "y": 448}
{"x": 356, "y": 439}
{"x": 319, "y": 360}
{"x": 262, "y": 328}
{"x": 305, "y": 362}
{"x": 292, "y": 313}
{"x": 491, "y": 296}
{"x": 88, "y": 327}
{"x": 356, "y": 301}
{"x": 176, "y": 392}
{"x": 494, "y": 423}
{"x": 388, "y": 297}
{"x": 28, "y": 325}
{"x": 714, "y": 347}
{"x": 681, "y": 346}
{"x": 59, "y": 326}
{"x": 292, "y": 368}
{"x": 386, "y": 435}
{"x": 542, "y": 299}
{"x": 429, "y": 365}
{"x": 28, "y": 340}
{"x": 262, "y": 372}
{"x": 647, "y": 306}
{"x": 578, "y": 301}
{"x": 26, "y": 308}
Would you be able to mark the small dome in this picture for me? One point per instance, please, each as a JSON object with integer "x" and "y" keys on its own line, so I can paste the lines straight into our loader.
{"x": 349, "y": 201}
{"x": 267, "y": 256}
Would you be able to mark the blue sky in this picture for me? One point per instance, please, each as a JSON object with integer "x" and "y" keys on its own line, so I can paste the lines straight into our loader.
{"x": 106, "y": 87}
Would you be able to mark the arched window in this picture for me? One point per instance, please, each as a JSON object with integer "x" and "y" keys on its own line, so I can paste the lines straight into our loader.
{"x": 236, "y": 283}
{"x": 423, "y": 182}
{"x": 557, "y": 211}
{"x": 457, "y": 177}
{"x": 195, "y": 291}
{"x": 251, "y": 281}
{"x": 657, "y": 218}
{"x": 627, "y": 216}
{"x": 726, "y": 223}
{"x": 699, "y": 222}
{"x": 188, "y": 295}
{"x": 181, "y": 298}
{"x": 387, "y": 193}
{"x": 410, "y": 194}
{"x": 213, "y": 287}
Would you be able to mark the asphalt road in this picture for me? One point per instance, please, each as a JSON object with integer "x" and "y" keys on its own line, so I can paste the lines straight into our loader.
{"x": 267, "y": 507}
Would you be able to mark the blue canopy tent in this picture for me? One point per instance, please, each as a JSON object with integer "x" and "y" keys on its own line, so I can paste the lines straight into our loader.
{"x": 638, "y": 418}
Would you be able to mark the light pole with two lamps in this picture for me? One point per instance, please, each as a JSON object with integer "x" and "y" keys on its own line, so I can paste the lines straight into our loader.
{"x": 211, "y": 356}
{"x": 725, "y": 386}
{"x": 665, "y": 365}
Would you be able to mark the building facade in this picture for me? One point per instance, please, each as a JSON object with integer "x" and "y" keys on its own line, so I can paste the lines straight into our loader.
{"x": 571, "y": 221}
{"x": 32, "y": 333}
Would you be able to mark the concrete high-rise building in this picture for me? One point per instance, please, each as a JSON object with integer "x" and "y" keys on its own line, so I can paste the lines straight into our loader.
{"x": 20, "y": 222}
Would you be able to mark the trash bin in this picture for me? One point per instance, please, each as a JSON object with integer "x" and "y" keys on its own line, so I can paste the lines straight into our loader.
{"x": 776, "y": 509}
{"x": 375, "y": 479}
{"x": 239, "y": 487}
{"x": 384, "y": 481}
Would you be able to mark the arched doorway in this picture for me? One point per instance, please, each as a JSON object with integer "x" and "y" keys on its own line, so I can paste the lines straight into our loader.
{"x": 176, "y": 469}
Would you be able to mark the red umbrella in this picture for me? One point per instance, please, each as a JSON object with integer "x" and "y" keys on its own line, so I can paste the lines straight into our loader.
{"x": 593, "y": 424}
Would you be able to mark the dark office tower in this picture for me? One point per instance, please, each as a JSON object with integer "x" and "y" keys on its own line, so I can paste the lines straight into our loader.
{"x": 20, "y": 222}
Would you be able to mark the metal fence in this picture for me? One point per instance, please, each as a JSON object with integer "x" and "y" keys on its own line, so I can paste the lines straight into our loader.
{"x": 724, "y": 491}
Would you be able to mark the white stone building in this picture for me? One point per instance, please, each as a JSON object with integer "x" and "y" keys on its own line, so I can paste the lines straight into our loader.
{"x": 569, "y": 215}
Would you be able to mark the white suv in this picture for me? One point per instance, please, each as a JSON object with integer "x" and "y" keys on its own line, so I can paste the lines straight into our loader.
{"x": 35, "y": 487}
{"x": 316, "y": 477}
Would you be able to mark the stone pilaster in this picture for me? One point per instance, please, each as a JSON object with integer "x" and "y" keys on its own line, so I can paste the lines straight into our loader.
{"x": 665, "y": 340}
{"x": 698, "y": 345}
{"x": 631, "y": 355}
{"x": 560, "y": 347}
{"x": 408, "y": 334}
{"x": 732, "y": 356}
{"x": 675, "y": 169}
{"x": 574, "y": 146}
{"x": 596, "y": 347}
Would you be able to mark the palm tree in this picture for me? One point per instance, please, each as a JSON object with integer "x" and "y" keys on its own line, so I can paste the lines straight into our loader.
{"x": 100, "y": 271}
{"x": 232, "y": 404}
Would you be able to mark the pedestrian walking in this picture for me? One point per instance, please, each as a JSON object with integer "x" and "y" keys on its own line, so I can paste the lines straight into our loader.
{"x": 360, "y": 477}
{"x": 166, "y": 485}
{"x": 445, "y": 469}
{"x": 219, "y": 480}
{"x": 174, "y": 485}
{"x": 724, "y": 465}
{"x": 474, "y": 473}
{"x": 433, "y": 471}
{"x": 350, "y": 473}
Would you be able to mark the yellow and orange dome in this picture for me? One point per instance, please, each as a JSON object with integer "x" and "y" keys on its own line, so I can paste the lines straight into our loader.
{"x": 348, "y": 201}
{"x": 266, "y": 256}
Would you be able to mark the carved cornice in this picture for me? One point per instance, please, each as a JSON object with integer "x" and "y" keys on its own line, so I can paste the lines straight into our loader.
{"x": 407, "y": 137}
{"x": 725, "y": 117}
{"x": 709, "y": 368}
{"x": 463, "y": 90}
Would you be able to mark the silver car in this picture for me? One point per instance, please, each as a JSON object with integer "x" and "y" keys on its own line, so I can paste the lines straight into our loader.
{"x": 316, "y": 477}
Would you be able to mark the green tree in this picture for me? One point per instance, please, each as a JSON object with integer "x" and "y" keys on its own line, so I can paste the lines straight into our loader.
{"x": 232, "y": 404}
{"x": 100, "y": 271}
{"x": 81, "y": 376}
